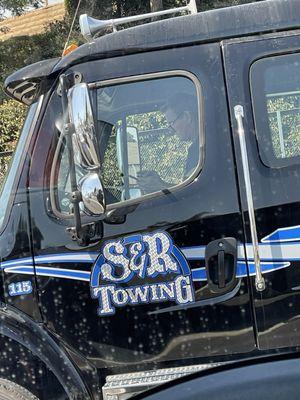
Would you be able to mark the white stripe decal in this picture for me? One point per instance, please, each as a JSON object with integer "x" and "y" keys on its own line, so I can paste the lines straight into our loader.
{"x": 26, "y": 261}
{"x": 196, "y": 252}
{"x": 284, "y": 252}
{"x": 68, "y": 257}
{"x": 51, "y": 272}
{"x": 198, "y": 274}
{"x": 19, "y": 268}
{"x": 268, "y": 252}
{"x": 21, "y": 272}
{"x": 279, "y": 252}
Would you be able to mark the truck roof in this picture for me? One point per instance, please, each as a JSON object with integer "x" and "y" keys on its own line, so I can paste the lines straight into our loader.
{"x": 209, "y": 26}
{"x": 213, "y": 25}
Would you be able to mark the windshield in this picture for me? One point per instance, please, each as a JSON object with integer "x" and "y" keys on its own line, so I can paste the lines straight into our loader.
{"x": 7, "y": 185}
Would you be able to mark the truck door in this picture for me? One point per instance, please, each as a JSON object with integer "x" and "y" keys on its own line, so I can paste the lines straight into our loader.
{"x": 263, "y": 77}
{"x": 172, "y": 209}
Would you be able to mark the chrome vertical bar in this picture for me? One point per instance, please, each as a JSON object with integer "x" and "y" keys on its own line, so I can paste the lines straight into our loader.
{"x": 239, "y": 115}
{"x": 280, "y": 131}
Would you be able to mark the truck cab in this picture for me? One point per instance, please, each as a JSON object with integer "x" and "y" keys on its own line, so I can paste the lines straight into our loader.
{"x": 150, "y": 222}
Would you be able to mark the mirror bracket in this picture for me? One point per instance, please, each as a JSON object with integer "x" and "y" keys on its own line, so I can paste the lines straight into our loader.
{"x": 76, "y": 197}
{"x": 68, "y": 130}
{"x": 90, "y": 233}
{"x": 73, "y": 78}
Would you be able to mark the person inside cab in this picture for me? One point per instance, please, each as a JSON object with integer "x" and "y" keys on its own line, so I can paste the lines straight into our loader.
{"x": 182, "y": 117}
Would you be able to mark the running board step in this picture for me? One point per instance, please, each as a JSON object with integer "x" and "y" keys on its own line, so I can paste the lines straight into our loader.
{"x": 124, "y": 386}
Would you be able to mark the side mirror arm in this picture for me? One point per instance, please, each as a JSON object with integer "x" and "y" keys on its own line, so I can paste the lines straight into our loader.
{"x": 68, "y": 130}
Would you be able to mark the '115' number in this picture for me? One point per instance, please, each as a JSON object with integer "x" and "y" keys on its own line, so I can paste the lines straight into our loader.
{"x": 19, "y": 288}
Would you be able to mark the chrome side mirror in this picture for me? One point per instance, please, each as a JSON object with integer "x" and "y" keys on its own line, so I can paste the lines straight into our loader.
{"x": 92, "y": 194}
{"x": 81, "y": 116}
{"x": 85, "y": 149}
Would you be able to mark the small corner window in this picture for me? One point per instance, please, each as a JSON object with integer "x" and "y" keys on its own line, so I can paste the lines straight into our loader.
{"x": 148, "y": 135}
{"x": 8, "y": 181}
{"x": 275, "y": 88}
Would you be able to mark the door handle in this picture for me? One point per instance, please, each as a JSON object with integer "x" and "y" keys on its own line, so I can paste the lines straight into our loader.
{"x": 220, "y": 264}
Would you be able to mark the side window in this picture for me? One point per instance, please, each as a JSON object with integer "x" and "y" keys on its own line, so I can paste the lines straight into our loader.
{"x": 148, "y": 135}
{"x": 275, "y": 87}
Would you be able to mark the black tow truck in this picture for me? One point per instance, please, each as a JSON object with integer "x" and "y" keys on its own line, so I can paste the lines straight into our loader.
{"x": 150, "y": 219}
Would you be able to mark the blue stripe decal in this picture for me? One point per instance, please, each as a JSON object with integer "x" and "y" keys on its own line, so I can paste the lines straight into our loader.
{"x": 198, "y": 274}
{"x": 274, "y": 250}
{"x": 53, "y": 259}
{"x": 283, "y": 235}
{"x": 291, "y": 253}
{"x": 266, "y": 267}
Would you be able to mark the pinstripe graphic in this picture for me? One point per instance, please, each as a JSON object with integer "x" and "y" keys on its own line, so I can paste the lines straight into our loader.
{"x": 274, "y": 256}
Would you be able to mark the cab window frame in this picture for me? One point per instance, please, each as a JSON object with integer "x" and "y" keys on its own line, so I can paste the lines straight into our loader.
{"x": 262, "y": 128}
{"x": 93, "y": 86}
{"x": 200, "y": 107}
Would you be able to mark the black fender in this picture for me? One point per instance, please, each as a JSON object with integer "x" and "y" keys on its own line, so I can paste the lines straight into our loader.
{"x": 22, "y": 329}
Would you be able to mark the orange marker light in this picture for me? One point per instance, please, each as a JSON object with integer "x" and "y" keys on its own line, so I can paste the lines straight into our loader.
{"x": 69, "y": 49}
